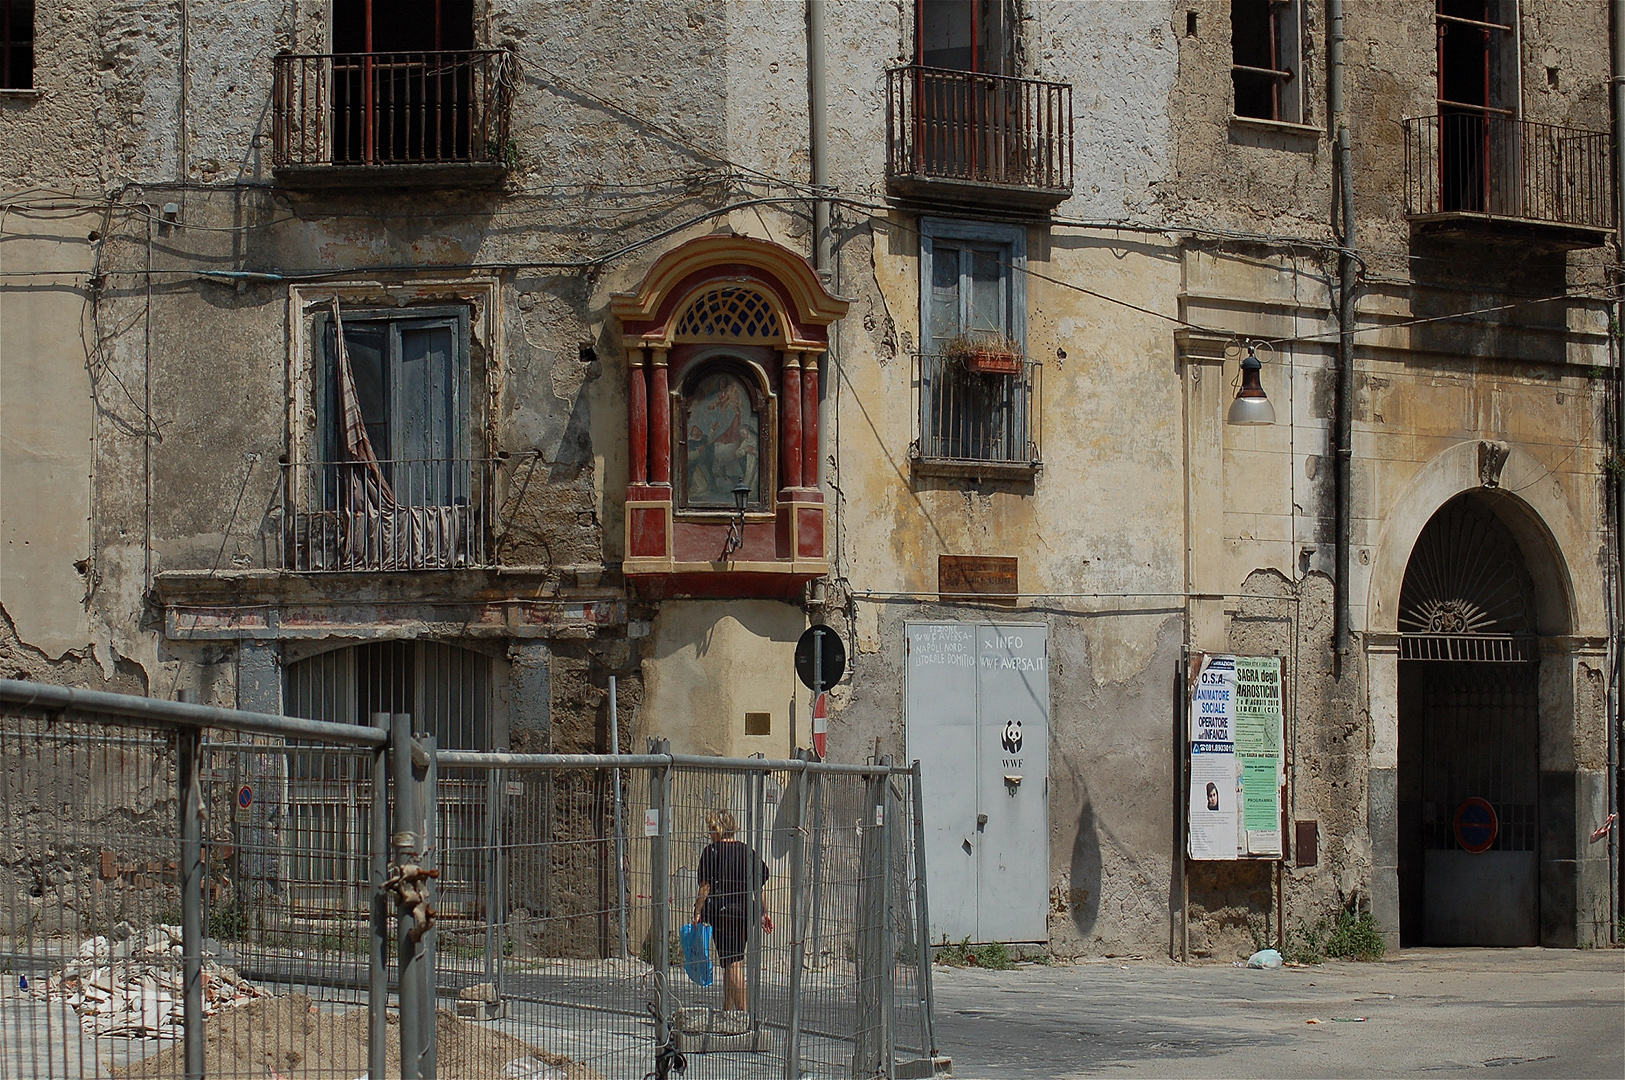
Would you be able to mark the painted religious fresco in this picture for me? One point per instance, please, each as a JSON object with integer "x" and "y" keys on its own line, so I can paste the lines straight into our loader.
{"x": 723, "y": 441}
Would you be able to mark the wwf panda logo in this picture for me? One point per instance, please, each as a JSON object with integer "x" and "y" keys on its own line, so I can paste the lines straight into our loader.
{"x": 1012, "y": 737}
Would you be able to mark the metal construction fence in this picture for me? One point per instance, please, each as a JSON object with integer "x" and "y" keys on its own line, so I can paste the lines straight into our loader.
{"x": 188, "y": 891}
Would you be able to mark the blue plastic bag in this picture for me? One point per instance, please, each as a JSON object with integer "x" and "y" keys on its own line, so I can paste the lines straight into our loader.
{"x": 697, "y": 953}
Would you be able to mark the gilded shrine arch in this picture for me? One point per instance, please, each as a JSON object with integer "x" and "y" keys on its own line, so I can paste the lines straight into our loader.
{"x": 725, "y": 340}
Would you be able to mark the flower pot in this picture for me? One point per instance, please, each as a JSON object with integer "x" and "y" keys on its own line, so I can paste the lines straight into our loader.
{"x": 993, "y": 362}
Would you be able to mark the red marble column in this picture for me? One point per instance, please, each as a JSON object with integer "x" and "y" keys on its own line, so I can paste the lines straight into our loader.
{"x": 809, "y": 419}
{"x": 659, "y": 421}
{"x": 790, "y": 419}
{"x": 637, "y": 416}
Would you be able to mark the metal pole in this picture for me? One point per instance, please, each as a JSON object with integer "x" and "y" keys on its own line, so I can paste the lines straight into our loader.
{"x": 430, "y": 796}
{"x": 404, "y": 843}
{"x": 495, "y": 802}
{"x": 886, "y": 820}
{"x": 866, "y": 1052}
{"x": 1343, "y": 391}
{"x": 755, "y": 900}
{"x": 922, "y": 914}
{"x": 378, "y": 946}
{"x": 815, "y": 894}
{"x": 1617, "y": 631}
{"x": 620, "y": 830}
{"x": 797, "y": 929}
{"x": 188, "y": 769}
{"x": 818, "y": 135}
{"x": 659, "y": 872}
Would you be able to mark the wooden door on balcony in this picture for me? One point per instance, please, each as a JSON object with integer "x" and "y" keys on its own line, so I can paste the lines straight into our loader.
{"x": 402, "y": 83}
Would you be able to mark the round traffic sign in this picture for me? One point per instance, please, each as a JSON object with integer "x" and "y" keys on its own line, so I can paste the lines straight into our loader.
{"x": 245, "y": 796}
{"x": 1476, "y": 825}
{"x": 826, "y": 641}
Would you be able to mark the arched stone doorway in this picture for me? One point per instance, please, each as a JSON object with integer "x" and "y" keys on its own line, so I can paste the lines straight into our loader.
{"x": 1469, "y": 710}
{"x": 1553, "y": 526}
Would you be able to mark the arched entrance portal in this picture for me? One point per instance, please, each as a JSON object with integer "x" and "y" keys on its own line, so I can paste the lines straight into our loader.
{"x": 1469, "y": 734}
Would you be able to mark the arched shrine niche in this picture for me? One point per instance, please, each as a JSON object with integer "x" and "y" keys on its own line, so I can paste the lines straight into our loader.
{"x": 725, "y": 340}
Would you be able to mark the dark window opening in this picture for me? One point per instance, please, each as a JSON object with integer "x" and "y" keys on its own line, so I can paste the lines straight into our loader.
{"x": 363, "y": 26}
{"x": 16, "y": 44}
{"x": 1265, "y": 59}
{"x": 1477, "y": 81}
{"x": 967, "y": 35}
{"x": 404, "y": 86}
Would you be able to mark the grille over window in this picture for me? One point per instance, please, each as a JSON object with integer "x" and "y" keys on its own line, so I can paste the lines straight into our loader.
{"x": 729, "y": 312}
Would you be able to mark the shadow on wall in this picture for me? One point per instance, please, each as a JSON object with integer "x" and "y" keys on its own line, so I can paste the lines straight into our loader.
{"x": 1083, "y": 899}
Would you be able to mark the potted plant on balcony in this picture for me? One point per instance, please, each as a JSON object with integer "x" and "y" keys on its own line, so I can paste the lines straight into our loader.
{"x": 983, "y": 354}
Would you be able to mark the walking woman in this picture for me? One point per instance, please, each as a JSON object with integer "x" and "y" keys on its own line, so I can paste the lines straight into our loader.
{"x": 730, "y": 872}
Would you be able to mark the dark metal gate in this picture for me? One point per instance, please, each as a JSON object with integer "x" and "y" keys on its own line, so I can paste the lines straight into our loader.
{"x": 1469, "y": 736}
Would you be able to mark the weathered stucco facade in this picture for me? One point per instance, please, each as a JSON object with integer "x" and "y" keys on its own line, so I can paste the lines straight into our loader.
{"x": 166, "y": 284}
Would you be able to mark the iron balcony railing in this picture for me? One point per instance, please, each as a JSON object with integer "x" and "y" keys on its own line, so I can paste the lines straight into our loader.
{"x": 985, "y": 129}
{"x": 419, "y": 108}
{"x": 1476, "y": 162}
{"x": 969, "y": 416}
{"x": 425, "y": 514}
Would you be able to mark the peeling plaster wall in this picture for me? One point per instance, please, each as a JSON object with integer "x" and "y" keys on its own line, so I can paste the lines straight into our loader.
{"x": 641, "y": 125}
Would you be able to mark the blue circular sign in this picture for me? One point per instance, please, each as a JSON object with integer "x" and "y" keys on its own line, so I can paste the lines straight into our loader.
{"x": 245, "y": 796}
{"x": 1476, "y": 825}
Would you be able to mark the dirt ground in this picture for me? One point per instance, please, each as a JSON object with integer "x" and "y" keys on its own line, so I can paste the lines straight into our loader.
{"x": 289, "y": 1036}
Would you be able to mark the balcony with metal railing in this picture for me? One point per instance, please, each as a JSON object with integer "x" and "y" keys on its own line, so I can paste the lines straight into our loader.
{"x": 971, "y": 138}
{"x": 978, "y": 420}
{"x": 418, "y": 118}
{"x": 427, "y": 514}
{"x": 1474, "y": 168}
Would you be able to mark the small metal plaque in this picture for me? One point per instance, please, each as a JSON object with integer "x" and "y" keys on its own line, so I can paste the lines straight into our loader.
{"x": 986, "y": 578}
{"x": 758, "y": 723}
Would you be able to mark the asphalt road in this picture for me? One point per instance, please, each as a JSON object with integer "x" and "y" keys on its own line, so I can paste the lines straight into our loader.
{"x": 1494, "y": 1013}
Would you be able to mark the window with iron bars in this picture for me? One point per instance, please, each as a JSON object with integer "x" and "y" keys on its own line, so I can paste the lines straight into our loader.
{"x": 16, "y": 44}
{"x": 1266, "y": 59}
{"x": 976, "y": 382}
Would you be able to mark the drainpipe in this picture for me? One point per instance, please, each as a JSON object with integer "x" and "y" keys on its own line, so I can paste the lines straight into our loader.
{"x": 818, "y": 117}
{"x": 1344, "y": 394}
{"x": 1617, "y": 727}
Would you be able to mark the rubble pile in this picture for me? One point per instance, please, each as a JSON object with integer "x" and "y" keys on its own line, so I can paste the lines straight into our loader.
{"x": 132, "y": 984}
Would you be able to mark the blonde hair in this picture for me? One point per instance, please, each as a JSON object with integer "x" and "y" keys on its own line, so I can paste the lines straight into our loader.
{"x": 722, "y": 821}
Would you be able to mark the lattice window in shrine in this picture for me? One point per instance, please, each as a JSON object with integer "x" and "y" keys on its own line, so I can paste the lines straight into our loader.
{"x": 729, "y": 311}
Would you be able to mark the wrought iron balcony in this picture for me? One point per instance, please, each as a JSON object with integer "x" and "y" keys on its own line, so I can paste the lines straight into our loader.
{"x": 977, "y": 418}
{"x": 962, "y": 136}
{"x": 427, "y": 514}
{"x": 421, "y": 117}
{"x": 1475, "y": 167}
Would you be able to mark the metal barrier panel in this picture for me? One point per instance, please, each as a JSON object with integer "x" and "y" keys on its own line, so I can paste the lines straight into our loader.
{"x": 831, "y": 991}
{"x": 93, "y": 908}
{"x": 186, "y": 901}
{"x": 90, "y": 918}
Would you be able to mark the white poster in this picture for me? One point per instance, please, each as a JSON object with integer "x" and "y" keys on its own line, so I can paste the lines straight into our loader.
{"x": 1236, "y": 764}
{"x": 1213, "y": 705}
{"x": 1212, "y": 815}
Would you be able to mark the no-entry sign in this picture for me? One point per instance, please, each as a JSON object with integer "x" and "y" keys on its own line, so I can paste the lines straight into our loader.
{"x": 1476, "y": 825}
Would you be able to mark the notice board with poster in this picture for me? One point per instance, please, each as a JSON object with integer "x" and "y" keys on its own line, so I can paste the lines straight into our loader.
{"x": 1237, "y": 770}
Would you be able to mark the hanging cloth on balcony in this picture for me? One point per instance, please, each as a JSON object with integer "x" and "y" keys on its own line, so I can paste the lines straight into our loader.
{"x": 366, "y": 502}
{"x": 376, "y": 532}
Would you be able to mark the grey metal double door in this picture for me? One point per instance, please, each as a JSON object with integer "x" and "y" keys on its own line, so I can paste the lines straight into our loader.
{"x": 978, "y": 722}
